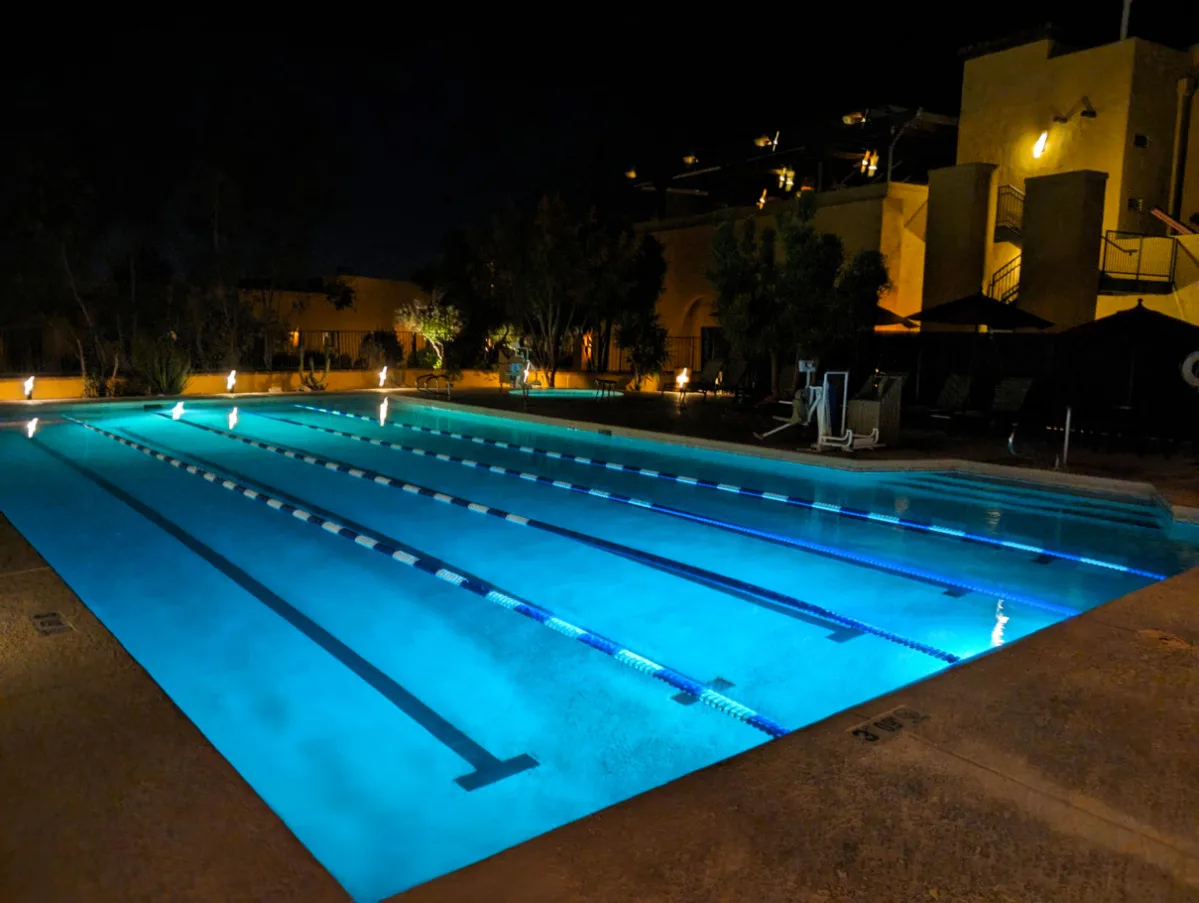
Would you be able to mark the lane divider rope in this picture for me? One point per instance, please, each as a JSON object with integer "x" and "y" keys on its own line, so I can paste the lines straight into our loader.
{"x": 778, "y": 538}
{"x": 440, "y": 569}
{"x": 793, "y": 500}
{"x": 704, "y": 576}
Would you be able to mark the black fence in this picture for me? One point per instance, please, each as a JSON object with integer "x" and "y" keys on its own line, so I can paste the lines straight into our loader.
{"x": 681, "y": 351}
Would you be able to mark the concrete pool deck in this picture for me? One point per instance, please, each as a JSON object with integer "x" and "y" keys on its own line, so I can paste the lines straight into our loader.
{"x": 1061, "y": 768}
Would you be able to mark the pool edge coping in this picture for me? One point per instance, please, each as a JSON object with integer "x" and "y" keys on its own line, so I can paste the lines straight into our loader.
{"x": 1180, "y": 513}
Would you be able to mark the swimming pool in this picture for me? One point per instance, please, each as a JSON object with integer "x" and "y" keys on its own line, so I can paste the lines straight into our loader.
{"x": 425, "y": 641}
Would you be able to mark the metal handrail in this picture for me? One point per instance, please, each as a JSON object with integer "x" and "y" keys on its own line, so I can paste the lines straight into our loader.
{"x": 1005, "y": 282}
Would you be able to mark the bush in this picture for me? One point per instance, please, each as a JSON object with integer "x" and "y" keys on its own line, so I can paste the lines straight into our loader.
{"x": 380, "y": 349}
{"x": 423, "y": 358}
{"x": 159, "y": 367}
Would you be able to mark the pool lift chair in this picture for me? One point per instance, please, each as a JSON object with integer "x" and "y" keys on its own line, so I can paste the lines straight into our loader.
{"x": 802, "y": 408}
{"x": 831, "y": 400}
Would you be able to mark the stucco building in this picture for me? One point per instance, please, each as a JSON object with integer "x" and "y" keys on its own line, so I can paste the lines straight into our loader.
{"x": 1072, "y": 193}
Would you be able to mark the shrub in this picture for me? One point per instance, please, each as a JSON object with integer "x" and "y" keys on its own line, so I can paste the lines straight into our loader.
{"x": 159, "y": 366}
{"x": 423, "y": 358}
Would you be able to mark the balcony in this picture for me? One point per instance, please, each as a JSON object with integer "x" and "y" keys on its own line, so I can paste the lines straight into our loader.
{"x": 1009, "y": 215}
{"x": 1136, "y": 264}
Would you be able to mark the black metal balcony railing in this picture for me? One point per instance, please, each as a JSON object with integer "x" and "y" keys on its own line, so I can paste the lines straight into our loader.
{"x": 1009, "y": 212}
{"x": 1137, "y": 257}
{"x": 1005, "y": 284}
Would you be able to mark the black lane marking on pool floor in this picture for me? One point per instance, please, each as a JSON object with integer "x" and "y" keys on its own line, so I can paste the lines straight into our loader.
{"x": 737, "y": 589}
{"x": 691, "y": 517}
{"x": 487, "y": 768}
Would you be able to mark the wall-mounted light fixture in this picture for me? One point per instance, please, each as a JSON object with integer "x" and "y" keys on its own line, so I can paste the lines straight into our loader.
{"x": 1039, "y": 147}
{"x": 630, "y": 173}
{"x": 690, "y": 160}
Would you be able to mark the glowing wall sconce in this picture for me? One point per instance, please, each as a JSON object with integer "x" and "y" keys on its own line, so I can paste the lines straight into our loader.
{"x": 29, "y": 387}
{"x": 1039, "y": 147}
{"x": 680, "y": 381}
{"x": 383, "y": 377}
{"x": 233, "y": 417}
{"x": 31, "y": 428}
{"x": 630, "y": 173}
{"x": 177, "y": 410}
{"x": 383, "y": 411}
{"x": 230, "y": 380}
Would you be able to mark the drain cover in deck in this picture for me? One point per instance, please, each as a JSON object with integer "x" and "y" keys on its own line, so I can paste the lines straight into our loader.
{"x": 49, "y": 623}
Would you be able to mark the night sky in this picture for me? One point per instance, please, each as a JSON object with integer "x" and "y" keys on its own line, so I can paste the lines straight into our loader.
{"x": 435, "y": 130}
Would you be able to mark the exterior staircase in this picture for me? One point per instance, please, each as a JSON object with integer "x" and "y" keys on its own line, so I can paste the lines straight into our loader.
{"x": 1005, "y": 283}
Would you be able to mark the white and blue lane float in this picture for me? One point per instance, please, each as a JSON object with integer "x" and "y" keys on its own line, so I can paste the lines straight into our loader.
{"x": 749, "y": 492}
{"x": 679, "y": 568}
{"x": 455, "y": 577}
{"x": 902, "y": 570}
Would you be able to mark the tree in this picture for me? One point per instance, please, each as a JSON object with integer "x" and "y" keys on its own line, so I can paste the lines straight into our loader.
{"x": 860, "y": 286}
{"x": 434, "y": 319}
{"x": 806, "y": 303}
{"x": 779, "y": 292}
{"x": 644, "y": 338}
{"x": 541, "y": 263}
{"x": 742, "y": 270}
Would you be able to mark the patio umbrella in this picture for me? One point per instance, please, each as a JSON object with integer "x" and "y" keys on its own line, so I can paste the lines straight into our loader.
{"x": 884, "y": 317}
{"x": 980, "y": 310}
{"x": 1131, "y": 356}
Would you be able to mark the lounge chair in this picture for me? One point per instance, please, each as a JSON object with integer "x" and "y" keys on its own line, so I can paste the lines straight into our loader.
{"x": 952, "y": 399}
{"x": 708, "y": 378}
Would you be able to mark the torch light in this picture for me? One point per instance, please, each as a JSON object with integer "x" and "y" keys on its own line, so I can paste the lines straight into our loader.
{"x": 383, "y": 377}
{"x": 29, "y": 388}
{"x": 31, "y": 428}
{"x": 233, "y": 418}
{"x": 383, "y": 411}
{"x": 177, "y": 410}
{"x": 230, "y": 380}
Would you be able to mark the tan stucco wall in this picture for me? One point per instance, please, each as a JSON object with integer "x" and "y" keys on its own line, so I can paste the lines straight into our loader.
{"x": 958, "y": 232}
{"x": 1010, "y": 97}
{"x": 375, "y": 303}
{"x": 1154, "y": 114}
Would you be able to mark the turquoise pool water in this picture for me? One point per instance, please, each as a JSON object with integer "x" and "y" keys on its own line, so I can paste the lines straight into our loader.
{"x": 423, "y": 652}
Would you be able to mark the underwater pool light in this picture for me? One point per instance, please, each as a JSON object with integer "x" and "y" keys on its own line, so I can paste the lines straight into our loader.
{"x": 232, "y": 418}
{"x": 383, "y": 377}
{"x": 177, "y": 410}
{"x": 29, "y": 387}
{"x": 230, "y": 380}
{"x": 1000, "y": 620}
{"x": 31, "y": 428}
